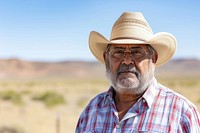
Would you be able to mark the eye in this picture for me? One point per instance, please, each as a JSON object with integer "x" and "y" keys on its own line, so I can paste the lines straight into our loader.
{"x": 137, "y": 53}
{"x": 117, "y": 53}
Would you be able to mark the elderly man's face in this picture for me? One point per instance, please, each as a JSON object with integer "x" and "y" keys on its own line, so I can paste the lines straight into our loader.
{"x": 129, "y": 68}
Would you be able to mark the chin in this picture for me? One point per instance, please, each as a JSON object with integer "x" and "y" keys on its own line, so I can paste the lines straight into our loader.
{"x": 126, "y": 86}
{"x": 128, "y": 82}
{"x": 135, "y": 91}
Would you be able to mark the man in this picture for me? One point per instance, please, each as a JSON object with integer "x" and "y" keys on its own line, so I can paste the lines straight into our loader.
{"x": 135, "y": 102}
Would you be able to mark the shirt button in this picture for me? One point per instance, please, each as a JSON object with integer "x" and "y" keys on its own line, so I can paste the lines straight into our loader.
{"x": 117, "y": 126}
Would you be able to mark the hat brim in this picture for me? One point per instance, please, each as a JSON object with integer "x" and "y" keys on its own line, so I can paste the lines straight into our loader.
{"x": 163, "y": 43}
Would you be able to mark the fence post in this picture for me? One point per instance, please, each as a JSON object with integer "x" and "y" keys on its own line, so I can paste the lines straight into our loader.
{"x": 57, "y": 122}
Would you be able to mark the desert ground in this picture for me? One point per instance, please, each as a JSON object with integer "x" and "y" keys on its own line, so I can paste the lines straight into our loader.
{"x": 23, "y": 109}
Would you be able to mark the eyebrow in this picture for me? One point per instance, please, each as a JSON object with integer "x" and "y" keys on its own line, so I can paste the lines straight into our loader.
{"x": 119, "y": 48}
{"x": 125, "y": 47}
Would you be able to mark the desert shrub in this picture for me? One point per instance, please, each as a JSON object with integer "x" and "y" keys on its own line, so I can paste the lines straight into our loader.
{"x": 8, "y": 130}
{"x": 26, "y": 92}
{"x": 188, "y": 83}
{"x": 50, "y": 98}
{"x": 12, "y": 96}
{"x": 14, "y": 129}
{"x": 171, "y": 84}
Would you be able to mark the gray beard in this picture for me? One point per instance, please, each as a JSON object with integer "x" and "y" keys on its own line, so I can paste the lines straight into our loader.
{"x": 129, "y": 85}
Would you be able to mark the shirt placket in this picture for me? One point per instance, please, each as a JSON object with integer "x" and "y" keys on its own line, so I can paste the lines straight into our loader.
{"x": 130, "y": 116}
{"x": 118, "y": 126}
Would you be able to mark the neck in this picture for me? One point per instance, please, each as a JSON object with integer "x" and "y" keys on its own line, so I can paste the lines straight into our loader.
{"x": 124, "y": 102}
{"x": 126, "y": 98}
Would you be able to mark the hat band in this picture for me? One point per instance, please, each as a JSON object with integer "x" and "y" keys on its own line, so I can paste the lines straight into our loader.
{"x": 134, "y": 38}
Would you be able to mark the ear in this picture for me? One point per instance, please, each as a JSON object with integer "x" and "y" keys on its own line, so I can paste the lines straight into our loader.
{"x": 154, "y": 57}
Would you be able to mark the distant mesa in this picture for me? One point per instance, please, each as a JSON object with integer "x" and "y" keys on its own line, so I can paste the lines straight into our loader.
{"x": 17, "y": 68}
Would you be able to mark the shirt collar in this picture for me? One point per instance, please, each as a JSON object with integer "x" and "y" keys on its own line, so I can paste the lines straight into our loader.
{"x": 148, "y": 96}
{"x": 108, "y": 97}
{"x": 151, "y": 92}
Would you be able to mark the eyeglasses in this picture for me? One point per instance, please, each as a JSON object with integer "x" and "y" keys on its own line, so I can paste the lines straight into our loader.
{"x": 136, "y": 53}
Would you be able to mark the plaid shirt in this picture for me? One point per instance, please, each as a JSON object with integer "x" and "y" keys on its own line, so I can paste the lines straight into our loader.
{"x": 159, "y": 110}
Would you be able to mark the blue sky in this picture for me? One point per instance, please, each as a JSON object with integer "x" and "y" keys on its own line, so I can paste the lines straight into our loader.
{"x": 50, "y": 30}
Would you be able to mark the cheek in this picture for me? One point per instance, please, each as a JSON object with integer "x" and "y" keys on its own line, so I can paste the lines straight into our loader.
{"x": 114, "y": 66}
{"x": 143, "y": 66}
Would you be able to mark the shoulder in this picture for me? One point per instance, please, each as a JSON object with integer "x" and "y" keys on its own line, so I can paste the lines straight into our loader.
{"x": 171, "y": 95}
{"x": 181, "y": 110}
{"x": 94, "y": 104}
{"x": 90, "y": 112}
{"x": 180, "y": 104}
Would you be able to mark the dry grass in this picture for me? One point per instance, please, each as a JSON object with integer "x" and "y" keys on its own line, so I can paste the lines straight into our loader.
{"x": 34, "y": 117}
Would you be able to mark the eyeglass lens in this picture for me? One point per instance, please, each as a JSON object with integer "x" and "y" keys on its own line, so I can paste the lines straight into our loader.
{"x": 135, "y": 53}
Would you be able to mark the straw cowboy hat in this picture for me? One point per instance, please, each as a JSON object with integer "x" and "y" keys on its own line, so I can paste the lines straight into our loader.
{"x": 132, "y": 28}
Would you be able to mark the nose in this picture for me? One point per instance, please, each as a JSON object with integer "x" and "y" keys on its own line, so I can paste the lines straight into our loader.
{"x": 127, "y": 59}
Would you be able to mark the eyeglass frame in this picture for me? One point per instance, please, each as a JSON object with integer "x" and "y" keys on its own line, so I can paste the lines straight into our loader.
{"x": 150, "y": 51}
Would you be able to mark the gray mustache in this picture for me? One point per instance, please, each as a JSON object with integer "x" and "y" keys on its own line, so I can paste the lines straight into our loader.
{"x": 128, "y": 68}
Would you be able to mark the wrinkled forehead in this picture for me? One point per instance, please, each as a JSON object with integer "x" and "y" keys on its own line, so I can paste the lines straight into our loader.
{"x": 125, "y": 46}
